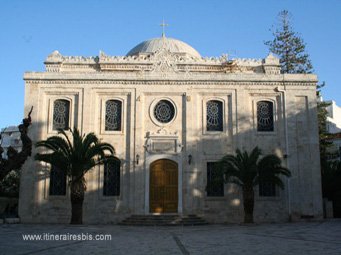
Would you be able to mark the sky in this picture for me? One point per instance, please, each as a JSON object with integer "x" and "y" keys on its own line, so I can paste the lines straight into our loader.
{"x": 32, "y": 29}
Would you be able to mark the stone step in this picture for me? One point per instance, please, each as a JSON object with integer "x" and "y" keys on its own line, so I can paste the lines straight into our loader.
{"x": 163, "y": 216}
{"x": 163, "y": 224}
{"x": 12, "y": 220}
{"x": 142, "y": 223}
{"x": 155, "y": 216}
{"x": 163, "y": 220}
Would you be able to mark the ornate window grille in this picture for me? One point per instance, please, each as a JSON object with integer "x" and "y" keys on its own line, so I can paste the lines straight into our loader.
{"x": 57, "y": 182}
{"x": 61, "y": 110}
{"x": 113, "y": 115}
{"x": 164, "y": 111}
{"x": 214, "y": 115}
{"x": 267, "y": 189}
{"x": 215, "y": 181}
{"x": 111, "y": 186}
{"x": 265, "y": 116}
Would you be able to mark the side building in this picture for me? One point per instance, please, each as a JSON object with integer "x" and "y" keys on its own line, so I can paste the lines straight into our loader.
{"x": 334, "y": 130}
{"x": 10, "y": 137}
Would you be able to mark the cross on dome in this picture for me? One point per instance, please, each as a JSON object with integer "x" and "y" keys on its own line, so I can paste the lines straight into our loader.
{"x": 163, "y": 25}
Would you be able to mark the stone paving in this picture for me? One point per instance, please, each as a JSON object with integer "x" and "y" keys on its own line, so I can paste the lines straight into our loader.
{"x": 318, "y": 238}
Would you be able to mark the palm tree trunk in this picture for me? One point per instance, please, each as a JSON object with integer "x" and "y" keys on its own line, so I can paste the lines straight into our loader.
{"x": 77, "y": 198}
{"x": 248, "y": 202}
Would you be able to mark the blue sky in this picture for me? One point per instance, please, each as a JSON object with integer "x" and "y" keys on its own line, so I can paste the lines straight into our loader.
{"x": 31, "y": 29}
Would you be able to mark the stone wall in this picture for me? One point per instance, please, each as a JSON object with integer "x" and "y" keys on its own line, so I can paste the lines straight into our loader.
{"x": 294, "y": 139}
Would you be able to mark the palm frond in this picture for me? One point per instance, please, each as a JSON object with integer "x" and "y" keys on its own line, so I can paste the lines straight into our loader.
{"x": 56, "y": 158}
{"x": 248, "y": 169}
{"x": 88, "y": 141}
{"x": 62, "y": 131}
{"x": 229, "y": 165}
{"x": 77, "y": 157}
{"x": 270, "y": 169}
{"x": 99, "y": 150}
{"x": 55, "y": 143}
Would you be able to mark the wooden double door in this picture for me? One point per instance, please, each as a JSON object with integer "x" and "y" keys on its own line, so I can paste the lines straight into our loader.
{"x": 163, "y": 190}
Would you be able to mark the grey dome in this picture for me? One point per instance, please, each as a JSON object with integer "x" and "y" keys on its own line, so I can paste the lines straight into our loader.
{"x": 171, "y": 44}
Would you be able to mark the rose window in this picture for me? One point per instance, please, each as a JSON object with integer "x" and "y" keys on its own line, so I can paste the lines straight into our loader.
{"x": 164, "y": 111}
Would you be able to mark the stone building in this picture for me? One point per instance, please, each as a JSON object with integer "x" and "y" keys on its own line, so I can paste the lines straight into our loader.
{"x": 333, "y": 118}
{"x": 171, "y": 114}
{"x": 10, "y": 137}
{"x": 334, "y": 130}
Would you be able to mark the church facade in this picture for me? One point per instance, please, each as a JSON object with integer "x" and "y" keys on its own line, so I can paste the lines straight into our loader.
{"x": 171, "y": 114}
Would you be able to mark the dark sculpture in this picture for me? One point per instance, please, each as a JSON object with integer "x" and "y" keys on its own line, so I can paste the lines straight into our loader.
{"x": 16, "y": 159}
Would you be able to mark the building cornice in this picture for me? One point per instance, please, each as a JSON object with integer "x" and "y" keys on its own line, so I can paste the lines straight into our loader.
{"x": 183, "y": 77}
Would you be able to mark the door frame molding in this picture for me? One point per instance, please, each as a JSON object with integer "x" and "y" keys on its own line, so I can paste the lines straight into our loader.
{"x": 149, "y": 160}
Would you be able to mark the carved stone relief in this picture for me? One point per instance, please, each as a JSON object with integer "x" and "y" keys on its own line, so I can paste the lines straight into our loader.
{"x": 163, "y": 142}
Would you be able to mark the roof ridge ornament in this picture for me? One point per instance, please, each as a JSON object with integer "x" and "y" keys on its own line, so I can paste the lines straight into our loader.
{"x": 55, "y": 56}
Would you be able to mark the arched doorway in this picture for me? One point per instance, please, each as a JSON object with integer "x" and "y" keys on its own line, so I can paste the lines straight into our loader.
{"x": 163, "y": 187}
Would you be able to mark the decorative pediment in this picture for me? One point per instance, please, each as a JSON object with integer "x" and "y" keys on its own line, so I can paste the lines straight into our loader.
{"x": 164, "y": 62}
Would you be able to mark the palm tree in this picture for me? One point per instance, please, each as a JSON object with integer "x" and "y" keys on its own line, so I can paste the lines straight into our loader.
{"x": 248, "y": 170}
{"x": 75, "y": 159}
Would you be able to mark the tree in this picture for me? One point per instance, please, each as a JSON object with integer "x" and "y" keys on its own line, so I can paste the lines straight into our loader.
{"x": 248, "y": 170}
{"x": 75, "y": 159}
{"x": 331, "y": 179}
{"x": 9, "y": 186}
{"x": 289, "y": 47}
{"x": 322, "y": 114}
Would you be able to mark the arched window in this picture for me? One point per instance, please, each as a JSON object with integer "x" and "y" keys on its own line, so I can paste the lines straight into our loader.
{"x": 265, "y": 116}
{"x": 113, "y": 115}
{"x": 57, "y": 182}
{"x": 61, "y": 111}
{"x": 111, "y": 185}
{"x": 214, "y": 115}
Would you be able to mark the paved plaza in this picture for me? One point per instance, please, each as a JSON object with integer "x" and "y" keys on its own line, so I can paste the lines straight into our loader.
{"x": 318, "y": 238}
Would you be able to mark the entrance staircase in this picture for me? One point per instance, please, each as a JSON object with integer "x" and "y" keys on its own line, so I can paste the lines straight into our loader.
{"x": 164, "y": 220}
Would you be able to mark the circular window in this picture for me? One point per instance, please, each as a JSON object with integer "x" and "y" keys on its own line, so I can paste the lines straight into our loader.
{"x": 164, "y": 111}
